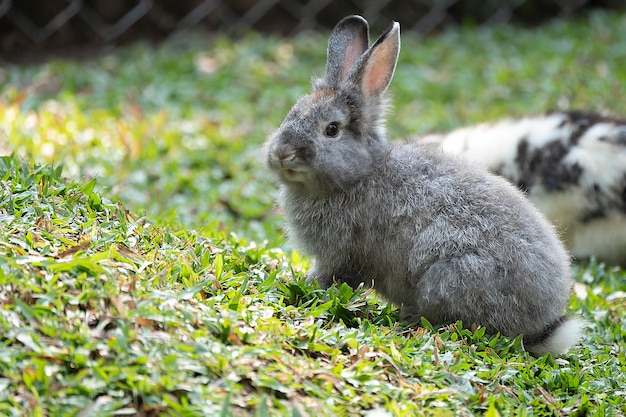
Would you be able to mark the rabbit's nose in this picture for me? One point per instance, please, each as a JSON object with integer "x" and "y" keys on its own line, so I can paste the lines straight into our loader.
{"x": 288, "y": 156}
{"x": 285, "y": 155}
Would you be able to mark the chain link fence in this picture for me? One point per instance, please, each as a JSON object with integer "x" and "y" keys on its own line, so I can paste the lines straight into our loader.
{"x": 48, "y": 25}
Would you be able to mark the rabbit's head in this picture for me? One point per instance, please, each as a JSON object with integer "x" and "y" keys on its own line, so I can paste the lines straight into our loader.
{"x": 335, "y": 135}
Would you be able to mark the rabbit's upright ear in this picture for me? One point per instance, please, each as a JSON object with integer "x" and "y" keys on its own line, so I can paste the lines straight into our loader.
{"x": 380, "y": 62}
{"x": 348, "y": 41}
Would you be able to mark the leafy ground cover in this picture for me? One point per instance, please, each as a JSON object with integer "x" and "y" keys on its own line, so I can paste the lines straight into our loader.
{"x": 140, "y": 269}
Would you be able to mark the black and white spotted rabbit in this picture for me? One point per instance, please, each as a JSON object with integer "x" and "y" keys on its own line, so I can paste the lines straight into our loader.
{"x": 436, "y": 236}
{"x": 571, "y": 164}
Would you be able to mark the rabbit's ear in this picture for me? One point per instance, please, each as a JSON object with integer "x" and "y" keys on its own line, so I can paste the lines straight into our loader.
{"x": 380, "y": 62}
{"x": 348, "y": 41}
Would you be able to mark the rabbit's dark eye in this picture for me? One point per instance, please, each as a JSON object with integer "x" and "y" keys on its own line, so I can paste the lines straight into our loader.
{"x": 332, "y": 130}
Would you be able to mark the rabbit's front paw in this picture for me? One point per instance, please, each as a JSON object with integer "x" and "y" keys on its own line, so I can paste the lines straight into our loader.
{"x": 324, "y": 279}
{"x": 411, "y": 314}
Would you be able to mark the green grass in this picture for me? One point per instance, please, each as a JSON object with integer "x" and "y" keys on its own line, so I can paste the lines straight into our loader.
{"x": 140, "y": 269}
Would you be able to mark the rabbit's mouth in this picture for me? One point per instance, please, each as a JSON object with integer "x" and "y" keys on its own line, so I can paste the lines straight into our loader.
{"x": 286, "y": 162}
{"x": 293, "y": 175}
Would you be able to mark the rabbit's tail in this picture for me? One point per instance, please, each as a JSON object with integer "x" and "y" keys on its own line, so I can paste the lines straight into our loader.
{"x": 557, "y": 338}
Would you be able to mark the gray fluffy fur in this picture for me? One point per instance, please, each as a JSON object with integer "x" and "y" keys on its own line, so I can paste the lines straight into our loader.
{"x": 437, "y": 236}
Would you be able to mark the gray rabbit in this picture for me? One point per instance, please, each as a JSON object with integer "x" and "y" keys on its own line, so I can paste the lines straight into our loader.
{"x": 433, "y": 234}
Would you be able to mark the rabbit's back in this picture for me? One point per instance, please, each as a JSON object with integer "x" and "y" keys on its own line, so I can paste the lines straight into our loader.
{"x": 572, "y": 164}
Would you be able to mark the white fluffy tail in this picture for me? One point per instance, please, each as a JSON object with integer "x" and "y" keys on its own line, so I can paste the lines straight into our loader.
{"x": 558, "y": 339}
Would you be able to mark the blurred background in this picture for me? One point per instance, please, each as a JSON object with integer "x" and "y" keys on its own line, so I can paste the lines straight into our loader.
{"x": 35, "y": 28}
{"x": 167, "y": 102}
